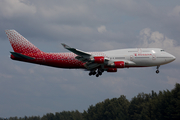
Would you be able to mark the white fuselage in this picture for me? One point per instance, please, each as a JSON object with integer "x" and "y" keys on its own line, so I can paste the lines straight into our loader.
{"x": 140, "y": 57}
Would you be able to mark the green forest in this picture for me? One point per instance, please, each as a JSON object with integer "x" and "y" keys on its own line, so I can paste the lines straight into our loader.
{"x": 164, "y": 105}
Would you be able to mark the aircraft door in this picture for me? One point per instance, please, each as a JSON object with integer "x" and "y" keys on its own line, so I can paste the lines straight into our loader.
{"x": 139, "y": 51}
{"x": 153, "y": 57}
{"x": 131, "y": 58}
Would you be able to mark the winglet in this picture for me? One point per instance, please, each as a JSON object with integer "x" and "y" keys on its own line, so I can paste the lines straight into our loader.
{"x": 65, "y": 46}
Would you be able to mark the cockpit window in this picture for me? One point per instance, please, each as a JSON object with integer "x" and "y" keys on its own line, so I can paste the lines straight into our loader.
{"x": 162, "y": 50}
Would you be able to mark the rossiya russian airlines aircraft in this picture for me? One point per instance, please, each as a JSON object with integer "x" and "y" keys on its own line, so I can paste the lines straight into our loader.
{"x": 95, "y": 62}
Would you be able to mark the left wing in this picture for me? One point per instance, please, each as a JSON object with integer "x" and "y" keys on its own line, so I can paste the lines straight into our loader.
{"x": 77, "y": 52}
{"x": 94, "y": 62}
{"x": 89, "y": 58}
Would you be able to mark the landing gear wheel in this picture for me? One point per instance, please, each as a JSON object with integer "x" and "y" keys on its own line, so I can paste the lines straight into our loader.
{"x": 157, "y": 71}
{"x": 94, "y": 72}
{"x": 100, "y": 73}
{"x": 97, "y": 75}
{"x": 90, "y": 74}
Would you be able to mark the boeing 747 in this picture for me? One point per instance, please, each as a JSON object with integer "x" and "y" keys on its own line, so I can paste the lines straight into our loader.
{"x": 95, "y": 62}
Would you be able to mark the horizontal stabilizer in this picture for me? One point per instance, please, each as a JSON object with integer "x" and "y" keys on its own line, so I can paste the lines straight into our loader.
{"x": 18, "y": 55}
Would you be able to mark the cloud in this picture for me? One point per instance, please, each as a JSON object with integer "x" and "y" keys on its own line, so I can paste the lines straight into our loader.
{"x": 172, "y": 80}
{"x": 91, "y": 26}
{"x": 15, "y": 8}
{"x": 137, "y": 8}
{"x": 53, "y": 11}
{"x": 101, "y": 29}
{"x": 2, "y": 76}
{"x": 175, "y": 12}
{"x": 156, "y": 39}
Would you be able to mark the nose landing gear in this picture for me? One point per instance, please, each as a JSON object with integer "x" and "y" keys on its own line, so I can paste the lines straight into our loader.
{"x": 157, "y": 71}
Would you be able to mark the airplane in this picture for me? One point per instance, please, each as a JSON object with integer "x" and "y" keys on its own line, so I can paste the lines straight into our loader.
{"x": 94, "y": 62}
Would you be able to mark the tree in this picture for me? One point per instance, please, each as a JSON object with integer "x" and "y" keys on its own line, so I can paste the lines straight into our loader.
{"x": 162, "y": 106}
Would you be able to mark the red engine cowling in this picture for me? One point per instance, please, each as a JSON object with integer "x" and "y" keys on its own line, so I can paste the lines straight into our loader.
{"x": 99, "y": 59}
{"x": 112, "y": 70}
{"x": 119, "y": 64}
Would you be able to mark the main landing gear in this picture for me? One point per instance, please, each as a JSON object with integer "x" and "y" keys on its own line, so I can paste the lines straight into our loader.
{"x": 157, "y": 71}
{"x": 98, "y": 73}
{"x": 92, "y": 72}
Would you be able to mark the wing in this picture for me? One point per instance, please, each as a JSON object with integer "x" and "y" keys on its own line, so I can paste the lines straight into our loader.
{"x": 85, "y": 57}
{"x": 76, "y": 51}
{"x": 93, "y": 61}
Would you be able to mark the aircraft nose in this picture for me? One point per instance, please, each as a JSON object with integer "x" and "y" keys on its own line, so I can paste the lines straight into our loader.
{"x": 172, "y": 57}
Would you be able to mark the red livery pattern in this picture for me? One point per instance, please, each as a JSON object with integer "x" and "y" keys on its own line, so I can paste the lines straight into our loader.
{"x": 144, "y": 54}
{"x": 23, "y": 46}
{"x": 20, "y": 44}
{"x": 61, "y": 60}
{"x": 135, "y": 54}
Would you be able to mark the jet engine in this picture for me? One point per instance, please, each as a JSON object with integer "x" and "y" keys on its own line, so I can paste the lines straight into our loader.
{"x": 98, "y": 59}
{"x": 112, "y": 70}
{"x": 118, "y": 64}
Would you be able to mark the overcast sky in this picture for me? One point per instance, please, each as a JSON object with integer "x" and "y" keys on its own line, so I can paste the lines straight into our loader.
{"x": 89, "y": 25}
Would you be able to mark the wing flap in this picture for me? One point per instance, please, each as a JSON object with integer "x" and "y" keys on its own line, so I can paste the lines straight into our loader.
{"x": 82, "y": 59}
{"x": 90, "y": 66}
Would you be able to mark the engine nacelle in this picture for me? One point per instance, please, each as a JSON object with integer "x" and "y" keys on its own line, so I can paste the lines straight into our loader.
{"x": 118, "y": 64}
{"x": 98, "y": 59}
{"x": 112, "y": 70}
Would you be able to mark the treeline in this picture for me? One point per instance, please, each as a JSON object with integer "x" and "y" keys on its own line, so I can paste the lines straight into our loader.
{"x": 164, "y": 105}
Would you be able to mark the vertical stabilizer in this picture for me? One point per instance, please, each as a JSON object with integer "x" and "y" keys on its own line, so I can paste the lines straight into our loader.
{"x": 20, "y": 44}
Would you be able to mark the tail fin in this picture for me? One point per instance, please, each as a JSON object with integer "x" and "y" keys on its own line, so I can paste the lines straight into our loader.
{"x": 19, "y": 43}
